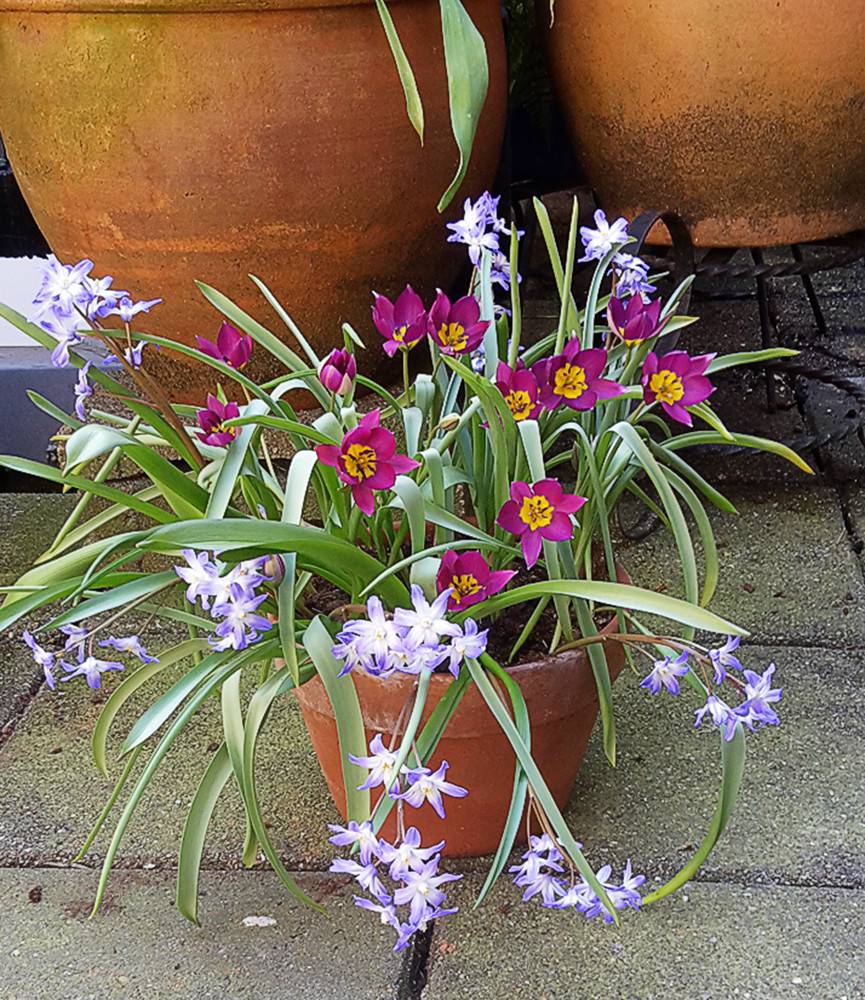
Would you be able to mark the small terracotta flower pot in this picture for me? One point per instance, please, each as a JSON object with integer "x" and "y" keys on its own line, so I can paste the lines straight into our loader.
{"x": 562, "y": 701}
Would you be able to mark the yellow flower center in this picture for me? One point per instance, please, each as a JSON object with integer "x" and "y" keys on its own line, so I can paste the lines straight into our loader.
{"x": 570, "y": 381}
{"x": 360, "y": 461}
{"x": 222, "y": 429}
{"x": 520, "y": 403}
{"x": 399, "y": 334}
{"x": 464, "y": 586}
{"x": 667, "y": 387}
{"x": 453, "y": 335}
{"x": 536, "y": 512}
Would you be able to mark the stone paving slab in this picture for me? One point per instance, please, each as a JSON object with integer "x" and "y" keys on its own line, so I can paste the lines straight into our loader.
{"x": 799, "y": 817}
{"x": 788, "y": 571}
{"x": 711, "y": 942}
{"x": 140, "y": 948}
{"x": 48, "y": 756}
{"x": 30, "y": 521}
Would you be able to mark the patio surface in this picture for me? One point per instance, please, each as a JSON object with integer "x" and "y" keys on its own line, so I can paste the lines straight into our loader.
{"x": 777, "y": 912}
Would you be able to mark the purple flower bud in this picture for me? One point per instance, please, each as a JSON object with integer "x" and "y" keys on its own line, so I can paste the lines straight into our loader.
{"x": 338, "y": 371}
{"x": 231, "y": 346}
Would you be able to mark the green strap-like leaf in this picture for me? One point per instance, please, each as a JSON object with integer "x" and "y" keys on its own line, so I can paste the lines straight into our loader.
{"x": 346, "y": 709}
{"x": 521, "y": 783}
{"x": 143, "y": 586}
{"x": 226, "y": 481}
{"x": 317, "y": 550}
{"x": 539, "y": 786}
{"x": 733, "y": 766}
{"x": 413, "y": 104}
{"x": 194, "y": 703}
{"x": 128, "y": 686}
{"x": 259, "y": 707}
{"x": 195, "y": 829}
{"x": 617, "y": 595}
{"x": 468, "y": 80}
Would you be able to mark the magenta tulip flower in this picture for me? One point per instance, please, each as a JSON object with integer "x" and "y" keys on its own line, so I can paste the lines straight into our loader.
{"x": 366, "y": 460}
{"x": 402, "y": 323}
{"x": 338, "y": 371}
{"x": 536, "y": 512}
{"x": 456, "y": 328}
{"x": 520, "y": 389}
{"x": 574, "y": 378}
{"x": 212, "y": 420}
{"x": 231, "y": 346}
{"x": 676, "y": 381}
{"x": 634, "y": 320}
{"x": 469, "y": 578}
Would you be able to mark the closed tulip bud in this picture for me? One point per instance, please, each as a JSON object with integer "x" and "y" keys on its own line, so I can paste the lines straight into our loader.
{"x": 338, "y": 371}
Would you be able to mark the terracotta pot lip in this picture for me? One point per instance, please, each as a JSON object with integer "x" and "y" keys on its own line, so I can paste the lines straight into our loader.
{"x": 442, "y": 680}
{"x": 169, "y": 6}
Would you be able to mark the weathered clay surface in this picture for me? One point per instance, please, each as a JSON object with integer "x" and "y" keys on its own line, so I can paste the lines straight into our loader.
{"x": 193, "y": 140}
{"x": 743, "y": 117}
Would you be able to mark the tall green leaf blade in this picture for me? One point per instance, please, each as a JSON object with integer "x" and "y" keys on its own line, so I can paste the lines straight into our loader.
{"x": 201, "y": 809}
{"x": 259, "y": 707}
{"x": 316, "y": 549}
{"x": 468, "y": 80}
{"x": 346, "y": 709}
{"x": 413, "y": 103}
{"x": 521, "y": 783}
{"x": 539, "y": 786}
{"x": 733, "y": 766}
{"x": 146, "y": 584}
{"x": 617, "y": 595}
{"x": 226, "y": 481}
{"x": 43, "y": 471}
{"x": 128, "y": 686}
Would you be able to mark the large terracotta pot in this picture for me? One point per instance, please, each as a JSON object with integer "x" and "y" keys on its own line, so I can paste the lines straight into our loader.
{"x": 743, "y": 116}
{"x": 562, "y": 701}
{"x": 174, "y": 140}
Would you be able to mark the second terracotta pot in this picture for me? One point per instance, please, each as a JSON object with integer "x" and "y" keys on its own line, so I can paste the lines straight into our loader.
{"x": 743, "y": 116}
{"x": 175, "y": 140}
{"x": 562, "y": 702}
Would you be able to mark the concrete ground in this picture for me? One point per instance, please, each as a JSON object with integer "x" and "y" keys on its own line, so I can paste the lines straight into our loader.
{"x": 777, "y": 912}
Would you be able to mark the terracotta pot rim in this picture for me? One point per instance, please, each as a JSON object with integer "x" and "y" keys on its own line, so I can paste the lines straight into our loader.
{"x": 563, "y": 660}
{"x": 169, "y": 6}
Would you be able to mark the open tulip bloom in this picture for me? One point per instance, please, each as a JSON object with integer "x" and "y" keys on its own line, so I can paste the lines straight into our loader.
{"x": 454, "y": 519}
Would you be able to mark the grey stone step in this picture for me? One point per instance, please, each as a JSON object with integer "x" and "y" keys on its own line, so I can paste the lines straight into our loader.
{"x": 788, "y": 571}
{"x": 139, "y": 948}
{"x": 710, "y": 942}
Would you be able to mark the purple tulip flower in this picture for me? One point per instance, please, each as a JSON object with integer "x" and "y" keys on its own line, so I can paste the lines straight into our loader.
{"x": 574, "y": 378}
{"x": 456, "y": 328}
{"x": 536, "y": 512}
{"x": 402, "y": 323}
{"x": 338, "y": 372}
{"x": 520, "y": 389}
{"x": 469, "y": 578}
{"x": 231, "y": 346}
{"x": 212, "y": 419}
{"x": 676, "y": 381}
{"x": 634, "y": 320}
{"x": 366, "y": 460}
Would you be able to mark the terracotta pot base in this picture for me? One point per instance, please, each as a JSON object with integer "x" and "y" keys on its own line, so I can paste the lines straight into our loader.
{"x": 562, "y": 701}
